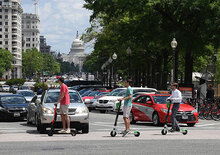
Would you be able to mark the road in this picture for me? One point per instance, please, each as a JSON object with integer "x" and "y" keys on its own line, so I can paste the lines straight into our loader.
{"x": 20, "y": 138}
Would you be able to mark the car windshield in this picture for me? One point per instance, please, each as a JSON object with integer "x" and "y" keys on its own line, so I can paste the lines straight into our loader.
{"x": 115, "y": 92}
{"x": 160, "y": 99}
{"x": 13, "y": 100}
{"x": 26, "y": 93}
{"x": 52, "y": 97}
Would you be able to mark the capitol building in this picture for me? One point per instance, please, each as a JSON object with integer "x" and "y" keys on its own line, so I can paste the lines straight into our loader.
{"x": 76, "y": 54}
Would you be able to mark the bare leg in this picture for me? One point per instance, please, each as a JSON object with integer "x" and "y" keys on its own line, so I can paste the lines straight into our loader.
{"x": 127, "y": 123}
{"x": 63, "y": 121}
{"x": 67, "y": 121}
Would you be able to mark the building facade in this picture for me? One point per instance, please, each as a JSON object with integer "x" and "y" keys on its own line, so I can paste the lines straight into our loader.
{"x": 30, "y": 31}
{"x": 11, "y": 34}
{"x": 76, "y": 54}
{"x": 44, "y": 48}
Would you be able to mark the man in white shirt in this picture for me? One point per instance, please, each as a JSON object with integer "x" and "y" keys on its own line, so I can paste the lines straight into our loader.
{"x": 176, "y": 99}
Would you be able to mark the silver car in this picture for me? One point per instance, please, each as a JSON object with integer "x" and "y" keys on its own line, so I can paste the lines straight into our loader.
{"x": 78, "y": 112}
{"x": 32, "y": 109}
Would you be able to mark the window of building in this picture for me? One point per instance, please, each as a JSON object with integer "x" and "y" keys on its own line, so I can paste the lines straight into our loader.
{"x": 0, "y": 36}
{"x": 6, "y": 16}
{"x": 0, "y": 10}
{"x": 33, "y": 39}
{"x": 6, "y": 0}
{"x": 33, "y": 33}
{"x": 32, "y": 45}
{"x": 28, "y": 39}
{"x": 28, "y": 26}
{"x": 6, "y": 10}
{"x": 0, "y": 42}
{"x": 6, "y": 42}
{"x": 0, "y": 29}
{"x": 6, "y": 36}
{"x": 0, "y": 16}
{"x": 6, "y": 29}
{"x": 6, "y": 23}
{"x": 0, "y": 23}
{"x": 6, "y": 48}
{"x": 28, "y": 45}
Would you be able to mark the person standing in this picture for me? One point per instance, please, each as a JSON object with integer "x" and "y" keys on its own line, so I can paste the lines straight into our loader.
{"x": 176, "y": 99}
{"x": 210, "y": 94}
{"x": 127, "y": 106}
{"x": 64, "y": 100}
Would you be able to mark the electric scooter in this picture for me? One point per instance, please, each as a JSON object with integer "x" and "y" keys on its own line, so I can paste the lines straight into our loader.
{"x": 165, "y": 129}
{"x": 115, "y": 130}
{"x": 53, "y": 124}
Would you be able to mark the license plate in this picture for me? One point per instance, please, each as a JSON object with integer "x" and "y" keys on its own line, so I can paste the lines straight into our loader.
{"x": 184, "y": 117}
{"x": 17, "y": 114}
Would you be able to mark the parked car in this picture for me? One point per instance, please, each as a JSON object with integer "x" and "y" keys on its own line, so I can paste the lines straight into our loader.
{"x": 78, "y": 112}
{"x": 4, "y": 88}
{"x": 152, "y": 108}
{"x": 12, "y": 106}
{"x": 32, "y": 109}
{"x": 109, "y": 102}
{"x": 28, "y": 94}
{"x": 13, "y": 89}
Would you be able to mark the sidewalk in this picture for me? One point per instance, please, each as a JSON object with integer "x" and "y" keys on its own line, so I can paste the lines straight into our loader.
{"x": 145, "y": 135}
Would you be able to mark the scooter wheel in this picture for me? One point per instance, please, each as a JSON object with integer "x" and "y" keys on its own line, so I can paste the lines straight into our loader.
{"x": 113, "y": 133}
{"x": 185, "y": 132}
{"x": 163, "y": 132}
{"x": 136, "y": 133}
{"x": 73, "y": 133}
{"x": 50, "y": 133}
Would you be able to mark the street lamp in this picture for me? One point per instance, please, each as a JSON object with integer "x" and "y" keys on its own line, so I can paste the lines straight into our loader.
{"x": 129, "y": 59}
{"x": 114, "y": 57}
{"x": 175, "y": 60}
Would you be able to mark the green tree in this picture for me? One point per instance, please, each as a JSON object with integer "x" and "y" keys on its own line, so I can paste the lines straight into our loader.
{"x": 6, "y": 59}
{"x": 50, "y": 64}
{"x": 32, "y": 63}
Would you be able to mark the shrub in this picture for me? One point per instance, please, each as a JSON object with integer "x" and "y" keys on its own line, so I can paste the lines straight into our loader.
{"x": 17, "y": 82}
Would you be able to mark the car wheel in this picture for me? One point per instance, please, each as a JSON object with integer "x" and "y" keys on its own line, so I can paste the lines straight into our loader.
{"x": 191, "y": 124}
{"x": 85, "y": 128}
{"x": 156, "y": 119}
{"x": 131, "y": 117}
{"x": 40, "y": 127}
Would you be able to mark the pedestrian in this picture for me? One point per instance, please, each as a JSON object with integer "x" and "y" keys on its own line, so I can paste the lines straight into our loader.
{"x": 210, "y": 93}
{"x": 176, "y": 99}
{"x": 202, "y": 89}
{"x": 64, "y": 100}
{"x": 127, "y": 106}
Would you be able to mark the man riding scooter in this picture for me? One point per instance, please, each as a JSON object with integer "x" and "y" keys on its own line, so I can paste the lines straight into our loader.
{"x": 176, "y": 99}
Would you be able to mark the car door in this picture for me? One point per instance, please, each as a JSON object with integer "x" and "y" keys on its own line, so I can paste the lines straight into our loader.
{"x": 140, "y": 109}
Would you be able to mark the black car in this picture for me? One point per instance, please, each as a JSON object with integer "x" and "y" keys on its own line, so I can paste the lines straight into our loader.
{"x": 13, "y": 106}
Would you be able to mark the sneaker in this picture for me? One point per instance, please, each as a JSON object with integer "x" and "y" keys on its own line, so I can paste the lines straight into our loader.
{"x": 62, "y": 131}
{"x": 178, "y": 129}
{"x": 172, "y": 130}
{"x": 68, "y": 131}
{"x": 125, "y": 133}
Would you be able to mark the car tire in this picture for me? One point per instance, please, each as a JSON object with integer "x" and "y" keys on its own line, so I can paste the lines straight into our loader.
{"x": 40, "y": 127}
{"x": 191, "y": 124}
{"x": 131, "y": 117}
{"x": 85, "y": 128}
{"x": 156, "y": 119}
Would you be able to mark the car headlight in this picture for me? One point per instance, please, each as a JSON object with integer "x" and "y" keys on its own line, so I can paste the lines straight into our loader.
{"x": 164, "y": 110}
{"x": 81, "y": 110}
{"x": 1, "y": 108}
{"x": 47, "y": 111}
{"x": 194, "y": 111}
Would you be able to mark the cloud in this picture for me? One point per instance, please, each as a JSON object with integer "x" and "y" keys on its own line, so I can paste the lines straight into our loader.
{"x": 60, "y": 19}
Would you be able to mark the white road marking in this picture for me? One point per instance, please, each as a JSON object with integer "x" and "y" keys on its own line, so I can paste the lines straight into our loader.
{"x": 202, "y": 125}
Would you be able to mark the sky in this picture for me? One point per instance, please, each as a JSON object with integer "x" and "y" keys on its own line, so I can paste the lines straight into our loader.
{"x": 59, "y": 21}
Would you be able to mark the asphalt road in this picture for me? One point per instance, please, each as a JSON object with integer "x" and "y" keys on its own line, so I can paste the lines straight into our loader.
{"x": 20, "y": 138}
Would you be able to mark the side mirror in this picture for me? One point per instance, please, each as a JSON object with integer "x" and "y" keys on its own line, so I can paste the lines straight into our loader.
{"x": 87, "y": 101}
{"x": 38, "y": 101}
{"x": 149, "y": 102}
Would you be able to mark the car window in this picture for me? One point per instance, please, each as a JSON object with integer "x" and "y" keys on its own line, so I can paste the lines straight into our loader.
{"x": 141, "y": 99}
{"x": 52, "y": 97}
{"x": 13, "y": 100}
{"x": 160, "y": 99}
{"x": 26, "y": 93}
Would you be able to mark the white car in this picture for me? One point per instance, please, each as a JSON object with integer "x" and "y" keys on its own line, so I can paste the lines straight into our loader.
{"x": 108, "y": 102}
{"x": 5, "y": 88}
{"x": 28, "y": 94}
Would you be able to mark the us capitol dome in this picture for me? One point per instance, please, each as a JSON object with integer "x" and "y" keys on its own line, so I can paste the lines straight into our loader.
{"x": 77, "y": 53}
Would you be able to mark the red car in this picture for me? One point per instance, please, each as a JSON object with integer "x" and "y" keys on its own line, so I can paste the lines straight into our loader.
{"x": 152, "y": 108}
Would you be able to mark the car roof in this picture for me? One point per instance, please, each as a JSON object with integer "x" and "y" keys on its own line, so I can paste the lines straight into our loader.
{"x": 8, "y": 95}
{"x": 58, "y": 90}
{"x": 21, "y": 90}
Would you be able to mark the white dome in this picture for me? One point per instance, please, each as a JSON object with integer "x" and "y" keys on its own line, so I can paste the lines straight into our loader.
{"x": 77, "y": 43}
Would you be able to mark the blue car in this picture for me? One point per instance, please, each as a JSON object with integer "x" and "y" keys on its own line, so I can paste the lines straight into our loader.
{"x": 13, "y": 106}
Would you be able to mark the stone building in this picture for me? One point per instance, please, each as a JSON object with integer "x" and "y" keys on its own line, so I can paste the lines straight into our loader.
{"x": 30, "y": 31}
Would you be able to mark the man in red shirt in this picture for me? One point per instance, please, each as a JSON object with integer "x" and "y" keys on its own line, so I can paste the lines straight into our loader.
{"x": 64, "y": 101}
